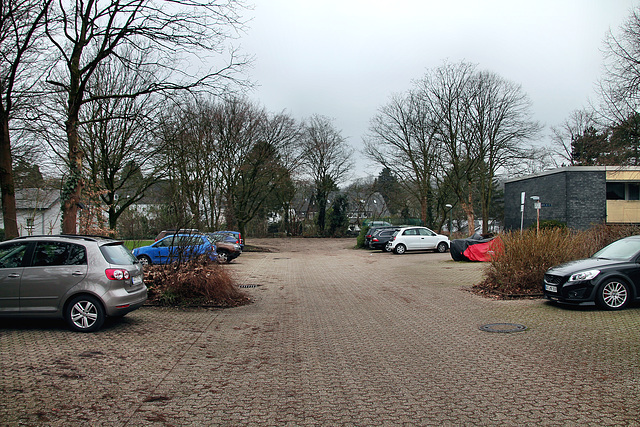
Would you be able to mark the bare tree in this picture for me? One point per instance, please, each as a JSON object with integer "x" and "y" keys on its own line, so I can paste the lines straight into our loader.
{"x": 117, "y": 135}
{"x": 498, "y": 125}
{"x": 96, "y": 30}
{"x": 445, "y": 92}
{"x": 282, "y": 132}
{"x": 573, "y": 128}
{"x": 21, "y": 24}
{"x": 403, "y": 137}
{"x": 326, "y": 158}
{"x": 187, "y": 147}
{"x": 237, "y": 125}
{"x": 619, "y": 87}
{"x": 230, "y": 156}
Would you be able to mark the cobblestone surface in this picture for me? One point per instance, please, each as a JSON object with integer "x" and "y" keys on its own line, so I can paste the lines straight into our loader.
{"x": 335, "y": 336}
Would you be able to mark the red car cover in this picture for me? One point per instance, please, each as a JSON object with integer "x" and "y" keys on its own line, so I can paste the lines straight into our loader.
{"x": 475, "y": 248}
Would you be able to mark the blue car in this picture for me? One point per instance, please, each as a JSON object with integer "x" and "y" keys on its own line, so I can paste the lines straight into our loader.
{"x": 176, "y": 247}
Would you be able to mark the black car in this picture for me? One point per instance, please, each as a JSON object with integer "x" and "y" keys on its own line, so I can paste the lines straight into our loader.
{"x": 372, "y": 230}
{"x": 380, "y": 237}
{"x": 610, "y": 278}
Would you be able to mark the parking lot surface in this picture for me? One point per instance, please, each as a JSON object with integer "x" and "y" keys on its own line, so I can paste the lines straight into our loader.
{"x": 335, "y": 336}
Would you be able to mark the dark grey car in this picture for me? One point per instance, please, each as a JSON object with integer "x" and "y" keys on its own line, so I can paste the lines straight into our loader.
{"x": 79, "y": 278}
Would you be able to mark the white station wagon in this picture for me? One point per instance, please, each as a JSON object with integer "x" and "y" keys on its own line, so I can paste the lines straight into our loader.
{"x": 417, "y": 239}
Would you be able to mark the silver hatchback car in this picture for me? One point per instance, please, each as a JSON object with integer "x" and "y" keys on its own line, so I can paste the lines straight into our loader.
{"x": 79, "y": 278}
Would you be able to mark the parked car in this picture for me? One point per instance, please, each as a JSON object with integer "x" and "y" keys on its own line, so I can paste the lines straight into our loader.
{"x": 236, "y": 234}
{"x": 417, "y": 239}
{"x": 372, "y": 230}
{"x": 176, "y": 247}
{"x": 610, "y": 278}
{"x": 226, "y": 247}
{"x": 165, "y": 233}
{"x": 79, "y": 278}
{"x": 381, "y": 237}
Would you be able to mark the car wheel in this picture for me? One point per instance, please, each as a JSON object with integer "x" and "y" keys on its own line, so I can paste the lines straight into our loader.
{"x": 613, "y": 295}
{"x": 400, "y": 249}
{"x": 442, "y": 247}
{"x": 84, "y": 314}
{"x": 223, "y": 257}
{"x": 144, "y": 260}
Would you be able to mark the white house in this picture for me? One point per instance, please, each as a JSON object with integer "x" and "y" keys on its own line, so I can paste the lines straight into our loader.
{"x": 37, "y": 211}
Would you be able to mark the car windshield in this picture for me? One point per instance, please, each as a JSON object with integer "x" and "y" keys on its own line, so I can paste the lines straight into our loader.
{"x": 623, "y": 249}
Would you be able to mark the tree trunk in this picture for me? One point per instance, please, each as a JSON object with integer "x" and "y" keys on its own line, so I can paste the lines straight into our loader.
{"x": 468, "y": 209}
{"x": 322, "y": 211}
{"x": 7, "y": 185}
{"x": 72, "y": 191}
{"x": 229, "y": 215}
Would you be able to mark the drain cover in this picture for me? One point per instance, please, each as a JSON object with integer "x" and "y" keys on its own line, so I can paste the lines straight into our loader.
{"x": 247, "y": 286}
{"x": 503, "y": 327}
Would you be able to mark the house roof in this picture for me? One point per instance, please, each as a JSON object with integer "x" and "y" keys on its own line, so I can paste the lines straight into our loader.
{"x": 36, "y": 198}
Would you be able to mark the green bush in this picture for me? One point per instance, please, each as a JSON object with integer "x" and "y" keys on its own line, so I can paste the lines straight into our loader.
{"x": 518, "y": 270}
{"x": 361, "y": 236}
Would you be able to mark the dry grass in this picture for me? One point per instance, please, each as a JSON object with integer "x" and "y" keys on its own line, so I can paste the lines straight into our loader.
{"x": 195, "y": 283}
{"x": 519, "y": 270}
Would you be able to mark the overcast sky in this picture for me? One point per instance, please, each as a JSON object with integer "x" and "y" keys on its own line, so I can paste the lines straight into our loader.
{"x": 344, "y": 58}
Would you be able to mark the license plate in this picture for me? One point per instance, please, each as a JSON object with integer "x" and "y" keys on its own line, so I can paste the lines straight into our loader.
{"x": 550, "y": 288}
{"x": 137, "y": 280}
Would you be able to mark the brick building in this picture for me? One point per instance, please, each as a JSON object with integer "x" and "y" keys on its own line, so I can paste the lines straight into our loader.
{"x": 579, "y": 196}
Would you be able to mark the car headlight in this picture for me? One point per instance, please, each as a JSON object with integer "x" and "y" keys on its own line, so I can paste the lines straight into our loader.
{"x": 584, "y": 275}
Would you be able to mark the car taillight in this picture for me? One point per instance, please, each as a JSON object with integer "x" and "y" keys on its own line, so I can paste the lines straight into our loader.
{"x": 117, "y": 274}
{"x": 375, "y": 239}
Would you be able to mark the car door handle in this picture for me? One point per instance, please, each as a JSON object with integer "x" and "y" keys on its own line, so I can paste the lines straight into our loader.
{"x": 13, "y": 275}
{"x": 77, "y": 273}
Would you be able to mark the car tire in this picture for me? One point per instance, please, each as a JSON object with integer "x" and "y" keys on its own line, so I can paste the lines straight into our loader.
{"x": 442, "y": 247}
{"x": 223, "y": 257}
{"x": 399, "y": 249}
{"x": 614, "y": 294}
{"x": 84, "y": 313}
{"x": 144, "y": 260}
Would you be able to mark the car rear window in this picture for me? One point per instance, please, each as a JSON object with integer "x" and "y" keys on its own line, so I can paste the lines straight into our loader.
{"x": 116, "y": 253}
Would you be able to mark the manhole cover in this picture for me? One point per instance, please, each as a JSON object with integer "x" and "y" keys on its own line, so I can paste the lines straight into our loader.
{"x": 503, "y": 327}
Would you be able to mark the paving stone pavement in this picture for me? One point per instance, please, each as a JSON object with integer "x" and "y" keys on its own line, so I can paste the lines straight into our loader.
{"x": 335, "y": 336}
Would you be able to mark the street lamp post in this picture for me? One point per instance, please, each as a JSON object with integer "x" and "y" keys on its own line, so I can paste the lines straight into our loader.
{"x": 450, "y": 207}
{"x": 537, "y": 205}
{"x": 522, "y": 200}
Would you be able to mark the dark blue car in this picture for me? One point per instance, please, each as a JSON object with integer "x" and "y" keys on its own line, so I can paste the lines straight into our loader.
{"x": 176, "y": 247}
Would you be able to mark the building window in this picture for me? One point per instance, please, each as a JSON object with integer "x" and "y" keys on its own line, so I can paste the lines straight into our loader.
{"x": 623, "y": 190}
{"x": 29, "y": 222}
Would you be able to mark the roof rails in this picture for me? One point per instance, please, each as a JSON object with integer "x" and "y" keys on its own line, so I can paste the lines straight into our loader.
{"x": 87, "y": 238}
